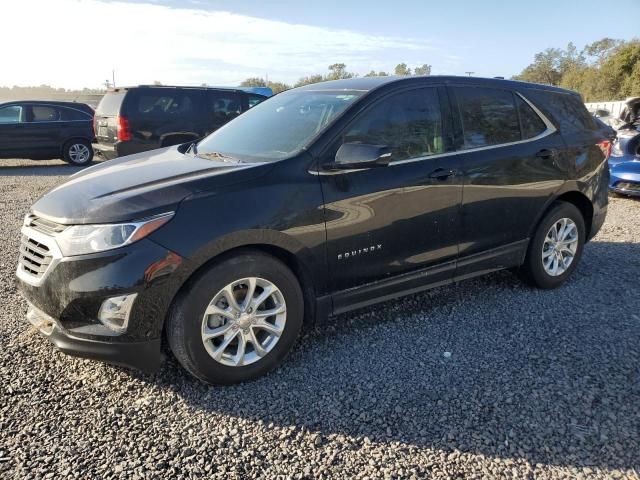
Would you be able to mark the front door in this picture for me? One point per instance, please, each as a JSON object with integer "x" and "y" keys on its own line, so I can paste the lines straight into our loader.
{"x": 13, "y": 139}
{"x": 400, "y": 218}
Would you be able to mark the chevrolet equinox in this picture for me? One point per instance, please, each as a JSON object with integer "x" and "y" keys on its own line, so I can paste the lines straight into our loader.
{"x": 319, "y": 200}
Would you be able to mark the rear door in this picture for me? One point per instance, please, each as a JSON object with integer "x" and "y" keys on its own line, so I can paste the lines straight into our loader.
{"x": 106, "y": 117}
{"x": 45, "y": 128}
{"x": 13, "y": 140}
{"x": 510, "y": 155}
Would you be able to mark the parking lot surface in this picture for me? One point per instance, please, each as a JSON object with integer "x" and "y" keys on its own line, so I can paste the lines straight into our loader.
{"x": 484, "y": 379}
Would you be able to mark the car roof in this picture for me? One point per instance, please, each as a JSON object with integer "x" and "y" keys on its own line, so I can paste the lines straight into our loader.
{"x": 123, "y": 89}
{"x": 57, "y": 103}
{"x": 372, "y": 83}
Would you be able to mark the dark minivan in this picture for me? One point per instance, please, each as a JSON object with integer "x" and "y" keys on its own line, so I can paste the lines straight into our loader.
{"x": 320, "y": 200}
{"x": 46, "y": 129}
{"x": 137, "y": 119}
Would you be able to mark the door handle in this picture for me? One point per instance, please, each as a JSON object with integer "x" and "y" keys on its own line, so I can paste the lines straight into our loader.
{"x": 546, "y": 153}
{"x": 442, "y": 174}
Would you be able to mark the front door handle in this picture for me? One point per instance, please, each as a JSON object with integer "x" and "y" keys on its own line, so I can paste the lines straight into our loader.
{"x": 442, "y": 174}
{"x": 546, "y": 153}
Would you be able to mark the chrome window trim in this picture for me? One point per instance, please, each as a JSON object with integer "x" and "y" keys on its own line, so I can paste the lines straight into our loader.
{"x": 551, "y": 129}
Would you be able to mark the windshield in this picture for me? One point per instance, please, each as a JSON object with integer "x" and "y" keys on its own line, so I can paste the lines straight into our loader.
{"x": 279, "y": 127}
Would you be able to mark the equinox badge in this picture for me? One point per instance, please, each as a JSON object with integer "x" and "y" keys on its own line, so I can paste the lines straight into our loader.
{"x": 360, "y": 251}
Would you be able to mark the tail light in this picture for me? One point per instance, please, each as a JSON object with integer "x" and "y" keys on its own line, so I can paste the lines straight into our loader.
{"x": 123, "y": 129}
{"x": 605, "y": 146}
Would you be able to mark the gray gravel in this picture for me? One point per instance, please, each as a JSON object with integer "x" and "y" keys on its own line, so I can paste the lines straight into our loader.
{"x": 535, "y": 384}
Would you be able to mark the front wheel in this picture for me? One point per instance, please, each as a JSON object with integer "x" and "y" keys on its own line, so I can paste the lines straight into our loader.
{"x": 77, "y": 152}
{"x": 556, "y": 247}
{"x": 238, "y": 320}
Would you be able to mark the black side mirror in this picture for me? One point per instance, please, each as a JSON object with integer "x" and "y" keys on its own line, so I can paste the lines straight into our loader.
{"x": 361, "y": 155}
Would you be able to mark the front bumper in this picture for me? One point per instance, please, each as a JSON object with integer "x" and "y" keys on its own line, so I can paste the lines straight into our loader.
{"x": 67, "y": 298}
{"x": 145, "y": 356}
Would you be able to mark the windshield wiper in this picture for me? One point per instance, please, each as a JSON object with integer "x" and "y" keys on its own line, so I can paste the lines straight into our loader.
{"x": 217, "y": 156}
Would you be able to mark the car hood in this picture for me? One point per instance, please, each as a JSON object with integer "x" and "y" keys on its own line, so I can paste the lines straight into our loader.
{"x": 629, "y": 170}
{"x": 138, "y": 186}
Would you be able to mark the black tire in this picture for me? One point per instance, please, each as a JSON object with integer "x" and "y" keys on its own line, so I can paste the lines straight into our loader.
{"x": 185, "y": 319}
{"x": 533, "y": 271}
{"x": 70, "y": 149}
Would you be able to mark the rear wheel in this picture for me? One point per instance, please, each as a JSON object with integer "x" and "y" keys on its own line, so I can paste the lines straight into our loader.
{"x": 556, "y": 247}
{"x": 77, "y": 152}
{"x": 238, "y": 320}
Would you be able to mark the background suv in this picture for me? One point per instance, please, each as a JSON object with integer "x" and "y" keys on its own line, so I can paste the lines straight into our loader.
{"x": 46, "y": 129}
{"x": 136, "y": 119}
{"x": 322, "y": 199}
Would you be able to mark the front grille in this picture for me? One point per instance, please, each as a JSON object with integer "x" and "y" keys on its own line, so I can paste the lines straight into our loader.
{"x": 35, "y": 257}
{"x": 43, "y": 225}
{"x": 628, "y": 186}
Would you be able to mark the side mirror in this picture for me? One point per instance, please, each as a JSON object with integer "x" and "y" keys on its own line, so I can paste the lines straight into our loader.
{"x": 361, "y": 155}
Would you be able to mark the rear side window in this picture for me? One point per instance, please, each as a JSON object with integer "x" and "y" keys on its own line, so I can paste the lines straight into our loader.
{"x": 254, "y": 99}
{"x": 410, "y": 123}
{"x": 489, "y": 116}
{"x": 42, "y": 113}
{"x": 11, "y": 114}
{"x": 568, "y": 111}
{"x": 531, "y": 123}
{"x": 160, "y": 104}
{"x": 109, "y": 106}
{"x": 70, "y": 114}
{"x": 223, "y": 107}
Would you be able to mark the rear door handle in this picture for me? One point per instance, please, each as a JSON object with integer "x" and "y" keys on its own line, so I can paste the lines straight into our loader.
{"x": 442, "y": 174}
{"x": 546, "y": 153}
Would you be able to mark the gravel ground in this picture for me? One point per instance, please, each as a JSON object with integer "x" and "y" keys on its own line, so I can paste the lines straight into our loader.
{"x": 484, "y": 379}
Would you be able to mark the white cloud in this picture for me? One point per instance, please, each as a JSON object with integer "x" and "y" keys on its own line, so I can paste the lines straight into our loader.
{"x": 76, "y": 43}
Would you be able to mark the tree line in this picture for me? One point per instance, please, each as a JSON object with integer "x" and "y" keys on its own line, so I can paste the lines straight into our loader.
{"x": 337, "y": 71}
{"x": 606, "y": 69}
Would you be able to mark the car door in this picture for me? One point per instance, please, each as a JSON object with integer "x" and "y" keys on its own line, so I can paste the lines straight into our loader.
{"x": 386, "y": 221}
{"x": 44, "y": 128}
{"x": 13, "y": 140}
{"x": 509, "y": 154}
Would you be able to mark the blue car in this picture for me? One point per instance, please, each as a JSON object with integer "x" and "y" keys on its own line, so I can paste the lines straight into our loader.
{"x": 624, "y": 162}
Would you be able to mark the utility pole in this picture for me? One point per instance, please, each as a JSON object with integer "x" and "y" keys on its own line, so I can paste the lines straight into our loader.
{"x": 113, "y": 78}
{"x": 469, "y": 73}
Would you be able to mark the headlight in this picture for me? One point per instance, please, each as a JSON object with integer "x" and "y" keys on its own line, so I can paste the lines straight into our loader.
{"x": 83, "y": 239}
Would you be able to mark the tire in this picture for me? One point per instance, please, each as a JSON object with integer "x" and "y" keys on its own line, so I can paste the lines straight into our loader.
{"x": 533, "y": 270}
{"x": 78, "y": 152}
{"x": 186, "y": 325}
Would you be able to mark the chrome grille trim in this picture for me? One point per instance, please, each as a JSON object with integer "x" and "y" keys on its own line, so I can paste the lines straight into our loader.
{"x": 43, "y": 225}
{"x": 39, "y": 253}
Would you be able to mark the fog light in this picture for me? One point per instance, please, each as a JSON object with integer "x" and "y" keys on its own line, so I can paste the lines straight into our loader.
{"x": 114, "y": 312}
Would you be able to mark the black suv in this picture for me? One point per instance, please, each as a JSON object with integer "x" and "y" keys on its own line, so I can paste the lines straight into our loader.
{"x": 46, "y": 129}
{"x": 320, "y": 200}
{"x": 136, "y": 119}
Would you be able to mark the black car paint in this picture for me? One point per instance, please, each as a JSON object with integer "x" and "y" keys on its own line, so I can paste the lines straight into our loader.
{"x": 43, "y": 139}
{"x": 418, "y": 230}
{"x": 149, "y": 133}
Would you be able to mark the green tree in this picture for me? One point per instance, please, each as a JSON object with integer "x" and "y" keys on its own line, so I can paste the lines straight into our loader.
{"x": 309, "y": 80}
{"x": 373, "y": 73}
{"x": 402, "y": 69}
{"x": 338, "y": 71}
{"x": 423, "y": 70}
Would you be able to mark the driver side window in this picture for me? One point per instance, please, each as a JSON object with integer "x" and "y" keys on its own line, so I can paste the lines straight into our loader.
{"x": 409, "y": 123}
{"x": 12, "y": 114}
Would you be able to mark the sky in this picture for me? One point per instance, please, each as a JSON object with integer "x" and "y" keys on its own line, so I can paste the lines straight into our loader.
{"x": 77, "y": 43}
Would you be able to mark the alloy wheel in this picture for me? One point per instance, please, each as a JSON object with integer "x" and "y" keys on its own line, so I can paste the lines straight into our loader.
{"x": 244, "y": 321}
{"x": 559, "y": 247}
{"x": 79, "y": 153}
